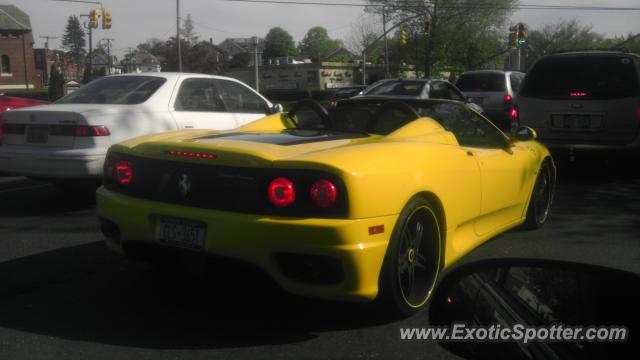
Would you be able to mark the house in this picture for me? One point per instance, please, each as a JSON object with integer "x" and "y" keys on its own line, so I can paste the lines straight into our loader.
{"x": 235, "y": 46}
{"x": 17, "y": 63}
{"x": 101, "y": 64}
{"x": 141, "y": 62}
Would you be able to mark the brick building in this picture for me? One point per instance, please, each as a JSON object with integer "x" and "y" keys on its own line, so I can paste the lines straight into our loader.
{"x": 17, "y": 65}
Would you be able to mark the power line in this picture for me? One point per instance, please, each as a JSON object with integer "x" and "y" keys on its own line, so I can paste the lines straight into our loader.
{"x": 453, "y": 6}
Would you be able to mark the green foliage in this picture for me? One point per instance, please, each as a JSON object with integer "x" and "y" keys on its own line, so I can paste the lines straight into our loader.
{"x": 563, "y": 35}
{"x": 317, "y": 45}
{"x": 73, "y": 39}
{"x": 462, "y": 34}
{"x": 240, "y": 60}
{"x": 279, "y": 42}
{"x": 187, "y": 33}
{"x": 56, "y": 83}
{"x": 342, "y": 59}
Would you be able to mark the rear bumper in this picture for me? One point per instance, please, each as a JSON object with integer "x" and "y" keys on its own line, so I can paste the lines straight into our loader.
{"x": 51, "y": 164}
{"x": 275, "y": 244}
{"x": 587, "y": 146}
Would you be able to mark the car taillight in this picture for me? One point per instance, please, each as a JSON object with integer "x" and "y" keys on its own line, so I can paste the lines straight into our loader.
{"x": 1, "y": 129}
{"x": 507, "y": 99}
{"x": 333, "y": 102}
{"x": 282, "y": 192}
{"x": 84, "y": 131}
{"x": 123, "y": 172}
{"x": 324, "y": 193}
{"x": 514, "y": 115}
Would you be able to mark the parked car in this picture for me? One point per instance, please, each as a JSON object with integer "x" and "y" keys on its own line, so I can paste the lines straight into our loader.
{"x": 11, "y": 102}
{"x": 583, "y": 100}
{"x": 345, "y": 93}
{"x": 69, "y": 138}
{"x": 295, "y": 197}
{"x": 404, "y": 89}
{"x": 495, "y": 91}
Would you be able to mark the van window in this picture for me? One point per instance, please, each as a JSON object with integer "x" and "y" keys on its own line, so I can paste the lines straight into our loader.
{"x": 582, "y": 77}
{"x": 482, "y": 82}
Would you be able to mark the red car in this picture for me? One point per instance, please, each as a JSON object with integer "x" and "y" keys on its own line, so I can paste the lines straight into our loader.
{"x": 10, "y": 102}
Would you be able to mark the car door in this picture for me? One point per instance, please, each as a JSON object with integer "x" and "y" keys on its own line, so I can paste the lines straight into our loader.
{"x": 503, "y": 169}
{"x": 245, "y": 104}
{"x": 198, "y": 105}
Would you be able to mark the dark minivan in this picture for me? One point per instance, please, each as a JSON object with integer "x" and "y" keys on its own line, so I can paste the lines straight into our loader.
{"x": 583, "y": 100}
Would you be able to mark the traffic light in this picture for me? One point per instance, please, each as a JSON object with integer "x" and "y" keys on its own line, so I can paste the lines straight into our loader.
{"x": 427, "y": 27}
{"x": 520, "y": 35}
{"x": 94, "y": 17}
{"x": 403, "y": 37}
{"x": 106, "y": 19}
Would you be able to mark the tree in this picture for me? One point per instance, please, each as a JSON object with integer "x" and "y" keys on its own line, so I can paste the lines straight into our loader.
{"x": 73, "y": 39}
{"x": 454, "y": 24}
{"x": 187, "y": 32}
{"x": 278, "y": 42}
{"x": 317, "y": 44}
{"x": 563, "y": 35}
{"x": 56, "y": 82}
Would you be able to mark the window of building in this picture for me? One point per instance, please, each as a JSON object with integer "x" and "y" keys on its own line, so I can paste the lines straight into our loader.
{"x": 6, "y": 65}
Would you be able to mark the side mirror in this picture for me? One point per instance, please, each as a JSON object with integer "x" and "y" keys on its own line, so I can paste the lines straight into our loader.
{"x": 534, "y": 294}
{"x": 276, "y": 108}
{"x": 525, "y": 133}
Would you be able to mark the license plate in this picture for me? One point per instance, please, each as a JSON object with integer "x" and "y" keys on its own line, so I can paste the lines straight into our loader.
{"x": 38, "y": 134}
{"x": 181, "y": 232}
{"x": 576, "y": 121}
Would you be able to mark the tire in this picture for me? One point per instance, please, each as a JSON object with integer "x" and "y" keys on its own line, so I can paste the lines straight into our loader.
{"x": 541, "y": 197}
{"x": 413, "y": 260}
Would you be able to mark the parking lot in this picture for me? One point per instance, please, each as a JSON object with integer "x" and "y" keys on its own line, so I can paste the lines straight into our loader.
{"x": 64, "y": 294}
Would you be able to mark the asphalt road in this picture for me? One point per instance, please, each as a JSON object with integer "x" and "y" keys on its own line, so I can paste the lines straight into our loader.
{"x": 64, "y": 295}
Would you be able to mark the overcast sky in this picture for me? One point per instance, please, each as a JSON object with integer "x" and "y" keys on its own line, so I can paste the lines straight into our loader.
{"x": 134, "y": 21}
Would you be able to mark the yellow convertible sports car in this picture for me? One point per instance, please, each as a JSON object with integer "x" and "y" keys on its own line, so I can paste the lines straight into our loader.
{"x": 368, "y": 201}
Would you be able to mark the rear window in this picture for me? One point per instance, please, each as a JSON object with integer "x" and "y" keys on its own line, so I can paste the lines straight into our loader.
{"x": 115, "y": 90}
{"x": 584, "y": 77}
{"x": 402, "y": 88}
{"x": 482, "y": 82}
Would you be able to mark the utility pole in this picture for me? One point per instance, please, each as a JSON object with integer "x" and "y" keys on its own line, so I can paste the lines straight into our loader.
{"x": 46, "y": 57}
{"x": 429, "y": 48}
{"x": 386, "y": 44}
{"x": 109, "y": 40}
{"x": 255, "y": 63}
{"x": 178, "y": 35}
{"x": 416, "y": 39}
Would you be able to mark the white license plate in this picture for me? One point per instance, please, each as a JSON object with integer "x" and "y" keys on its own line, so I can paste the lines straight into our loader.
{"x": 181, "y": 232}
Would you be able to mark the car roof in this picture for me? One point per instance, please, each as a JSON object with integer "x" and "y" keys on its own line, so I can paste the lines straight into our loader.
{"x": 471, "y": 72}
{"x": 174, "y": 75}
{"x": 378, "y": 98}
{"x": 586, "y": 52}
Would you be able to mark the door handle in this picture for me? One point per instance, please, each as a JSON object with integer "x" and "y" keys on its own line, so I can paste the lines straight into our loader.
{"x": 469, "y": 153}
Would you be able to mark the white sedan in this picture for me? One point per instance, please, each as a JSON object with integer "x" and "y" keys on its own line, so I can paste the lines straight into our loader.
{"x": 69, "y": 138}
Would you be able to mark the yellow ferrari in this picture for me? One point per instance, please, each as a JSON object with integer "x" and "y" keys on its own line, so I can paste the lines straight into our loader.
{"x": 370, "y": 200}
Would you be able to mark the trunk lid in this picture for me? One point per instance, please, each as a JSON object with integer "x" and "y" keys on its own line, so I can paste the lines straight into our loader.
{"x": 252, "y": 149}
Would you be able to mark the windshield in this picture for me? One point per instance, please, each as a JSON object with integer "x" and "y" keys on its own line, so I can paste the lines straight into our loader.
{"x": 481, "y": 82}
{"x": 582, "y": 77}
{"x": 402, "y": 88}
{"x": 123, "y": 90}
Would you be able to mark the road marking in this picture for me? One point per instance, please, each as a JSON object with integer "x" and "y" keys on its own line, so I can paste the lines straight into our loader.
{"x": 24, "y": 188}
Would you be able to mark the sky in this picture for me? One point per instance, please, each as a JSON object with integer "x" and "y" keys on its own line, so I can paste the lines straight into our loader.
{"x": 135, "y": 21}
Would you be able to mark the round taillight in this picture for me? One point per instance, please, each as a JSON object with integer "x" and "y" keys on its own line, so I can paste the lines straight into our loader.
{"x": 282, "y": 192}
{"x": 123, "y": 172}
{"x": 324, "y": 193}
